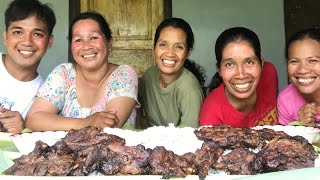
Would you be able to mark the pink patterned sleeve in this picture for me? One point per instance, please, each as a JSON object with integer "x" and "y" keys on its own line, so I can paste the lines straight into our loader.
{"x": 124, "y": 82}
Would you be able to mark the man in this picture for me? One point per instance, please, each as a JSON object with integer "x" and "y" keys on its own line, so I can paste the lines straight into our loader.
{"x": 28, "y": 35}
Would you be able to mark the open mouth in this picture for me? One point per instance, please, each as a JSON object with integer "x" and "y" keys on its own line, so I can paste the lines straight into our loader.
{"x": 306, "y": 81}
{"x": 168, "y": 62}
{"x": 242, "y": 86}
{"x": 88, "y": 55}
{"x": 25, "y": 52}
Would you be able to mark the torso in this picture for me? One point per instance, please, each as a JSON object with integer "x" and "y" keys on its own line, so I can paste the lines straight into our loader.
{"x": 89, "y": 94}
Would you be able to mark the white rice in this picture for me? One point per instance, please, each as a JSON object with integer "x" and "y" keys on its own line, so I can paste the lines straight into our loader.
{"x": 178, "y": 140}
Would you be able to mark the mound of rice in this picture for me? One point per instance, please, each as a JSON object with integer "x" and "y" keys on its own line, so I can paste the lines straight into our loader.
{"x": 178, "y": 140}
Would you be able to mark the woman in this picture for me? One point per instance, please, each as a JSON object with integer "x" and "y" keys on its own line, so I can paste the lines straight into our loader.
{"x": 169, "y": 92}
{"x": 89, "y": 92}
{"x": 300, "y": 100}
{"x": 245, "y": 87}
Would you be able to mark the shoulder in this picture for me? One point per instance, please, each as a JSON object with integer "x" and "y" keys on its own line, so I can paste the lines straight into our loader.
{"x": 289, "y": 92}
{"x": 150, "y": 71}
{"x": 269, "y": 69}
{"x": 64, "y": 67}
{"x": 125, "y": 70}
{"x": 150, "y": 74}
{"x": 216, "y": 95}
{"x": 188, "y": 80}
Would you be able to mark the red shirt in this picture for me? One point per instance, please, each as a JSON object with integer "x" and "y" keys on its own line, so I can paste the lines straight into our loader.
{"x": 216, "y": 108}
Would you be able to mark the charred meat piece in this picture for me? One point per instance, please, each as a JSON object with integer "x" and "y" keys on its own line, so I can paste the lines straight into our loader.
{"x": 23, "y": 165}
{"x": 269, "y": 134}
{"x": 81, "y": 135}
{"x": 238, "y": 161}
{"x": 115, "y": 158}
{"x": 223, "y": 135}
{"x": 87, "y": 145}
{"x": 231, "y": 138}
{"x": 287, "y": 153}
{"x": 206, "y": 157}
{"x": 166, "y": 163}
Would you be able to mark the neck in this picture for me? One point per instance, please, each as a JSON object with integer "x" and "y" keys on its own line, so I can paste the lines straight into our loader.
{"x": 242, "y": 105}
{"x": 166, "y": 79}
{"x": 20, "y": 73}
{"x": 94, "y": 78}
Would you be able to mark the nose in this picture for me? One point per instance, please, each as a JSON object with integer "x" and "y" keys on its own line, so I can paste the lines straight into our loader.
{"x": 27, "y": 40}
{"x": 87, "y": 45}
{"x": 303, "y": 68}
{"x": 240, "y": 72}
{"x": 170, "y": 51}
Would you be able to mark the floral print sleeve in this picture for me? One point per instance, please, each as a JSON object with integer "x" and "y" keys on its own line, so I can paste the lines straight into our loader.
{"x": 54, "y": 87}
{"x": 123, "y": 82}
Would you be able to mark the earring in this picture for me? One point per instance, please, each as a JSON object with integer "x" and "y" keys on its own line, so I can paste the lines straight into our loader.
{"x": 109, "y": 49}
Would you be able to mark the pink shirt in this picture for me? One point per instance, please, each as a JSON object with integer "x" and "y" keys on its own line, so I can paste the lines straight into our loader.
{"x": 289, "y": 102}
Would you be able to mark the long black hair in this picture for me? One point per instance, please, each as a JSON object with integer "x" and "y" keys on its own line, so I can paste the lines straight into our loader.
{"x": 193, "y": 67}
{"x": 228, "y": 36}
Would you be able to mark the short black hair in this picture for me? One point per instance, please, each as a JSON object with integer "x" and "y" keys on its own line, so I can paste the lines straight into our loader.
{"x": 19, "y": 10}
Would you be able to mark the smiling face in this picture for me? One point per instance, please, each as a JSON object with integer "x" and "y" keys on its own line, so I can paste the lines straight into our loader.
{"x": 171, "y": 51}
{"x": 27, "y": 41}
{"x": 304, "y": 65}
{"x": 89, "y": 46}
{"x": 240, "y": 70}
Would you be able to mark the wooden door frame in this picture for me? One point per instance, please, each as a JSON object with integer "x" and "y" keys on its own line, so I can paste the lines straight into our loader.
{"x": 74, "y": 10}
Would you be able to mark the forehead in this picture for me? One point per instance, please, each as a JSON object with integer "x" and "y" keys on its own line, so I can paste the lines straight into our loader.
{"x": 305, "y": 42}
{"x": 172, "y": 33}
{"x": 85, "y": 25}
{"x": 239, "y": 46}
{"x": 30, "y": 23}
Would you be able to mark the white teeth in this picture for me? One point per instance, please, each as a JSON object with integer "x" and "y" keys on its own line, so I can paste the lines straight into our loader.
{"x": 168, "y": 62}
{"x": 89, "y": 55}
{"x": 307, "y": 80}
{"x": 26, "y": 52}
{"x": 242, "y": 86}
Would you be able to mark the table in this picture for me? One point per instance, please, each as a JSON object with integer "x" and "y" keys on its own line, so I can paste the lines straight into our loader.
{"x": 8, "y": 149}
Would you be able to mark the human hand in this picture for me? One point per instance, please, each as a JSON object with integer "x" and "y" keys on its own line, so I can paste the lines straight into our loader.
{"x": 103, "y": 119}
{"x": 307, "y": 114}
{"x": 12, "y": 121}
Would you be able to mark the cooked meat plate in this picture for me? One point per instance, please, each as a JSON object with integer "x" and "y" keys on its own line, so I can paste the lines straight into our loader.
{"x": 233, "y": 150}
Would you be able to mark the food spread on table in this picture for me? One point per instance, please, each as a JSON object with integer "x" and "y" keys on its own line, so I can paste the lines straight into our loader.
{"x": 155, "y": 151}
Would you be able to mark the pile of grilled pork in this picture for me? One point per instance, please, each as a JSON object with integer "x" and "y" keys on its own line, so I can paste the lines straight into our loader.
{"x": 238, "y": 151}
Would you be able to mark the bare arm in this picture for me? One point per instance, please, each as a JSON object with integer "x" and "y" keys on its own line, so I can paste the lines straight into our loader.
{"x": 43, "y": 116}
{"x": 122, "y": 106}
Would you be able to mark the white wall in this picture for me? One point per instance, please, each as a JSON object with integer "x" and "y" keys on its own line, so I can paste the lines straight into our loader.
{"x": 208, "y": 18}
{"x": 59, "y": 51}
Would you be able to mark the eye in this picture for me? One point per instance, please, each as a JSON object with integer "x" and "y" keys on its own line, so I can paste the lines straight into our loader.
{"x": 229, "y": 64}
{"x": 162, "y": 44}
{"x": 39, "y": 35}
{"x": 93, "y": 38}
{"x": 313, "y": 61}
{"x": 250, "y": 61}
{"x": 77, "y": 40}
{"x": 17, "y": 32}
{"x": 293, "y": 61}
{"x": 180, "y": 47}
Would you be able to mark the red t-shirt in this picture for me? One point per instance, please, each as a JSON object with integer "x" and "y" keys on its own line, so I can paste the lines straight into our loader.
{"x": 216, "y": 108}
